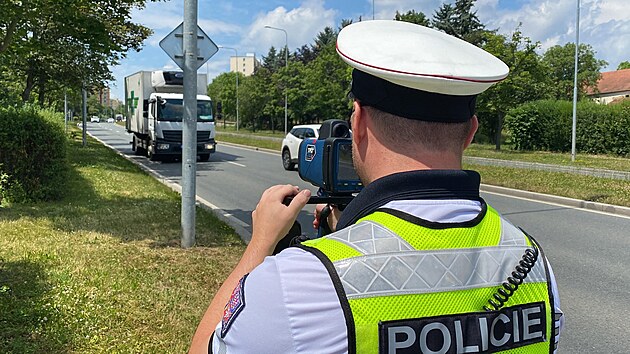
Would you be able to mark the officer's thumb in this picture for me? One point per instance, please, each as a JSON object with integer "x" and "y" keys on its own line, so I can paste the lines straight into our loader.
{"x": 299, "y": 201}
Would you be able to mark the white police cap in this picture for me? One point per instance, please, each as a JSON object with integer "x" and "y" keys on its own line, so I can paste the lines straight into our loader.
{"x": 403, "y": 68}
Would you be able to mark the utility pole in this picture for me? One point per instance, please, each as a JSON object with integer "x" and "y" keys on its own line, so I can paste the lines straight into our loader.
{"x": 189, "y": 134}
{"x": 84, "y": 92}
{"x": 575, "y": 82}
{"x": 65, "y": 110}
{"x": 237, "y": 73}
{"x": 286, "y": 65}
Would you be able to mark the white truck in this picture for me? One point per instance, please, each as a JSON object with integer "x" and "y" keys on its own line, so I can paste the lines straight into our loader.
{"x": 154, "y": 104}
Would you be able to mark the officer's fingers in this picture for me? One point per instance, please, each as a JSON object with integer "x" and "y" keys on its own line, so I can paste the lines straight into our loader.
{"x": 299, "y": 201}
{"x": 319, "y": 208}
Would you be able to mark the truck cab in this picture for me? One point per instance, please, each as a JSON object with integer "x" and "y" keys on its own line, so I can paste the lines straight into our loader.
{"x": 165, "y": 122}
{"x": 155, "y": 113}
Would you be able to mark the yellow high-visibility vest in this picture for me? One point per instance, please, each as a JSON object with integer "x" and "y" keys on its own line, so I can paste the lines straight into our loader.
{"x": 411, "y": 286}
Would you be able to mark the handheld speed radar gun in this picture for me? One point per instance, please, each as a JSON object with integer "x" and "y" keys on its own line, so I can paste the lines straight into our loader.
{"x": 326, "y": 162}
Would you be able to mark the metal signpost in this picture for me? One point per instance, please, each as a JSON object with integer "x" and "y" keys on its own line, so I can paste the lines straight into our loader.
{"x": 190, "y": 48}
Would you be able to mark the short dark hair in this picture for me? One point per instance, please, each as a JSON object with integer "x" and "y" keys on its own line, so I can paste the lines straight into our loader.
{"x": 399, "y": 133}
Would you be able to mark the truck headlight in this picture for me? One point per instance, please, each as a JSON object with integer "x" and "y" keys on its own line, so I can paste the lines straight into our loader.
{"x": 209, "y": 146}
{"x": 163, "y": 146}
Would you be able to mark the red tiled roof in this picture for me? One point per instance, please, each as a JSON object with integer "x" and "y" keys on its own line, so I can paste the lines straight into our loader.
{"x": 613, "y": 81}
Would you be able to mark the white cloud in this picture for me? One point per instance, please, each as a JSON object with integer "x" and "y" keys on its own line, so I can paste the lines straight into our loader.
{"x": 611, "y": 10}
{"x": 301, "y": 24}
{"x": 604, "y": 24}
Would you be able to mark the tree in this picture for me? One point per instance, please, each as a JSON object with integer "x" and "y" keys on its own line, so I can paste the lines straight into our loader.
{"x": 327, "y": 83}
{"x": 624, "y": 65}
{"x": 560, "y": 62}
{"x": 412, "y": 16}
{"x": 223, "y": 89}
{"x": 324, "y": 38}
{"x": 254, "y": 95}
{"x": 460, "y": 21}
{"x": 47, "y": 48}
{"x": 272, "y": 61}
{"x": 527, "y": 81}
{"x": 304, "y": 54}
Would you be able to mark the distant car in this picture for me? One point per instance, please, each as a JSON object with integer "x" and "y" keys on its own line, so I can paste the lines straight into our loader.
{"x": 95, "y": 119}
{"x": 110, "y": 120}
{"x": 291, "y": 143}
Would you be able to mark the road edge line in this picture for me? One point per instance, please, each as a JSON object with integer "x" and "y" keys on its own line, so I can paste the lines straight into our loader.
{"x": 221, "y": 214}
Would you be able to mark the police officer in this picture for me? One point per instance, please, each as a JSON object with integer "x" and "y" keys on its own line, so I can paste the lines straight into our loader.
{"x": 418, "y": 254}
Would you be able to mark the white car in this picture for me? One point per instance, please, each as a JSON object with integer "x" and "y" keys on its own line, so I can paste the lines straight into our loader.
{"x": 95, "y": 119}
{"x": 291, "y": 143}
{"x": 110, "y": 120}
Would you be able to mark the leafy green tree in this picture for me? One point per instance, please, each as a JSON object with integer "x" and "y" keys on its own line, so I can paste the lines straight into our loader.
{"x": 527, "y": 81}
{"x": 325, "y": 38}
{"x": 345, "y": 22}
{"x": 460, "y": 21}
{"x": 623, "y": 65}
{"x": 560, "y": 62}
{"x": 49, "y": 44}
{"x": 412, "y": 16}
{"x": 304, "y": 54}
{"x": 328, "y": 79}
{"x": 223, "y": 89}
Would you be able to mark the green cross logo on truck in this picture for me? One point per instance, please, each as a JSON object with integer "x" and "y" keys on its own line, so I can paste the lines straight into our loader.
{"x": 133, "y": 102}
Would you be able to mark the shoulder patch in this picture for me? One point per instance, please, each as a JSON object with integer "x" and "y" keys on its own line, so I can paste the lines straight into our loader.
{"x": 234, "y": 306}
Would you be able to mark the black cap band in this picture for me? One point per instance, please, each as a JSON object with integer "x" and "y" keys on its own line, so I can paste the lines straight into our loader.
{"x": 410, "y": 103}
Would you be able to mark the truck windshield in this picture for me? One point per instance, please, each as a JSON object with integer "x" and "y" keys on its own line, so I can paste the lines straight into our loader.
{"x": 172, "y": 110}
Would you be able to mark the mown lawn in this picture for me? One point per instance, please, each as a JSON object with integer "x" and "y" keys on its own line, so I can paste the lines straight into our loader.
{"x": 101, "y": 271}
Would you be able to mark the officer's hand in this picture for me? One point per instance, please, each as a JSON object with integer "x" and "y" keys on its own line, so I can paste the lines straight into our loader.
{"x": 272, "y": 220}
{"x": 333, "y": 218}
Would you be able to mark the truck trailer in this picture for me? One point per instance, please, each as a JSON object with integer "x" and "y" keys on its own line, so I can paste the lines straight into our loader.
{"x": 155, "y": 111}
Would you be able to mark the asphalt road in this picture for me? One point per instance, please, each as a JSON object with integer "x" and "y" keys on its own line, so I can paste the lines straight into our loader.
{"x": 589, "y": 251}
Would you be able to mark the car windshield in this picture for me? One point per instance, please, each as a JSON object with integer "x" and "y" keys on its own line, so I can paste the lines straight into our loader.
{"x": 172, "y": 110}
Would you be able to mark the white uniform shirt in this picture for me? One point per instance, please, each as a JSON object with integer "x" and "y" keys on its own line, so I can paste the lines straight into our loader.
{"x": 290, "y": 303}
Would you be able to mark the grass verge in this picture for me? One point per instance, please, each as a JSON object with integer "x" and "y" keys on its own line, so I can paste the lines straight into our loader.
{"x": 595, "y": 189}
{"x": 101, "y": 271}
{"x": 581, "y": 160}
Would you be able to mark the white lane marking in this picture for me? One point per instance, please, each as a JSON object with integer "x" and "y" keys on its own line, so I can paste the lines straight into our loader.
{"x": 559, "y": 205}
{"x": 236, "y": 163}
{"x": 249, "y": 149}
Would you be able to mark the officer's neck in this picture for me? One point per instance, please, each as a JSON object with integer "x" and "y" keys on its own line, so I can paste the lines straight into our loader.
{"x": 388, "y": 163}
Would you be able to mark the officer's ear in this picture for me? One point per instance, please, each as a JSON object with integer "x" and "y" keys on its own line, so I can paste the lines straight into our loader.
{"x": 358, "y": 122}
{"x": 474, "y": 125}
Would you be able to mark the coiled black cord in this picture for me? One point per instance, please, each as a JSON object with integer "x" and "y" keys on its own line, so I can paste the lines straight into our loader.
{"x": 508, "y": 288}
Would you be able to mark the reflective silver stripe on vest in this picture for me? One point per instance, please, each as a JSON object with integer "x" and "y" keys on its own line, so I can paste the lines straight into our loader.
{"x": 390, "y": 265}
{"x": 511, "y": 235}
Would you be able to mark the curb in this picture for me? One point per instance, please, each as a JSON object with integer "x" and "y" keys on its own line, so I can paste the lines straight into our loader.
{"x": 245, "y": 235}
{"x": 250, "y": 147}
{"x": 569, "y": 202}
{"x": 221, "y": 214}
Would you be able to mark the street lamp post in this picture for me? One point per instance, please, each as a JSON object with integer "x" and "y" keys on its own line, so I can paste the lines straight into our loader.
{"x": 575, "y": 81}
{"x": 237, "y": 74}
{"x": 286, "y": 64}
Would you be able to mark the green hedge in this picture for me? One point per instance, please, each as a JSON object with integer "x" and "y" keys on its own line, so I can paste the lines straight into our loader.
{"x": 32, "y": 155}
{"x": 546, "y": 125}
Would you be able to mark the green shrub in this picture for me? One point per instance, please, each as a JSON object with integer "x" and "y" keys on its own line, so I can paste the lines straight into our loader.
{"x": 32, "y": 155}
{"x": 546, "y": 125}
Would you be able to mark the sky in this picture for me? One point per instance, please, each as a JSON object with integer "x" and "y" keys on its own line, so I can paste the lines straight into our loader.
{"x": 240, "y": 24}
